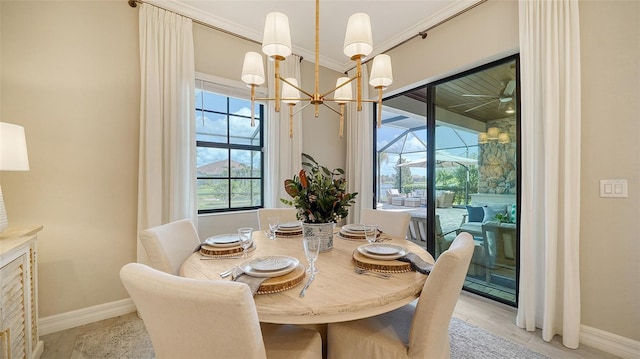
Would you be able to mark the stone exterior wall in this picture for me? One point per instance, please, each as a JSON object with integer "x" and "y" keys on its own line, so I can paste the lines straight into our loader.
{"x": 497, "y": 172}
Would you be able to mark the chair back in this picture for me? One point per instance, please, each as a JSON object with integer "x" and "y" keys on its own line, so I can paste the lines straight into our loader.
{"x": 395, "y": 224}
{"x": 285, "y": 215}
{"x": 169, "y": 245}
{"x": 429, "y": 335}
{"x": 188, "y": 318}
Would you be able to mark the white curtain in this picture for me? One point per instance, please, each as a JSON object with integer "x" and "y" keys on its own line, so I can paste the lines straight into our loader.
{"x": 166, "y": 176}
{"x": 359, "y": 132}
{"x": 550, "y": 217}
{"x": 283, "y": 153}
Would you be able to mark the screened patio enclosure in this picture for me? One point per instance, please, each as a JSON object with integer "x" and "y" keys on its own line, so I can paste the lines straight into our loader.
{"x": 402, "y": 150}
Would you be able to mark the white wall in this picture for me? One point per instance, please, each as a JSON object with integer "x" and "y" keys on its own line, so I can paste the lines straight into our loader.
{"x": 70, "y": 75}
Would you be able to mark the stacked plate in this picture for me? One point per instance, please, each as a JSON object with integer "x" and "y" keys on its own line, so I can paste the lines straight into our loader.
{"x": 270, "y": 266}
{"x": 353, "y": 232}
{"x": 382, "y": 251}
{"x": 289, "y": 229}
{"x": 224, "y": 245}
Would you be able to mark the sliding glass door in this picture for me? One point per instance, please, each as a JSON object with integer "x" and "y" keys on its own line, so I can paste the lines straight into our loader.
{"x": 447, "y": 153}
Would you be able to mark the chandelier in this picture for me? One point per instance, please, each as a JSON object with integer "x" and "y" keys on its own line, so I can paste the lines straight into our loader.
{"x": 276, "y": 44}
{"x": 493, "y": 134}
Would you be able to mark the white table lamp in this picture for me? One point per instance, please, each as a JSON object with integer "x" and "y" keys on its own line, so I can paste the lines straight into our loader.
{"x": 13, "y": 157}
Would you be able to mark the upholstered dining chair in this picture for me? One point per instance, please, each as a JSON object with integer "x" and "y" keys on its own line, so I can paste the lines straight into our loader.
{"x": 285, "y": 215}
{"x": 189, "y": 318}
{"x": 395, "y": 224}
{"x": 168, "y": 245}
{"x": 424, "y": 327}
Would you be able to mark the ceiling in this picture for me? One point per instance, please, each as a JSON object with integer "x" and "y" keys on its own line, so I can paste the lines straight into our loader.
{"x": 482, "y": 95}
{"x": 392, "y": 22}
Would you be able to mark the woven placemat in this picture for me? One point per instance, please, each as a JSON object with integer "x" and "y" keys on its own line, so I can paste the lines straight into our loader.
{"x": 283, "y": 282}
{"x": 209, "y": 251}
{"x": 376, "y": 265}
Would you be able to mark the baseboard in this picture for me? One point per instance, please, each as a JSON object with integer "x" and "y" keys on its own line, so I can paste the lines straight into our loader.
{"x": 610, "y": 343}
{"x": 76, "y": 318}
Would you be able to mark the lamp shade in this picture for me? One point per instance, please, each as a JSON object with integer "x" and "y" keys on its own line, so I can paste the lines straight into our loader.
{"x": 290, "y": 94}
{"x": 253, "y": 69}
{"x": 344, "y": 93}
{"x": 358, "y": 39}
{"x": 276, "y": 40}
{"x": 381, "y": 73}
{"x": 492, "y": 133}
{"x": 482, "y": 137}
{"x": 13, "y": 148}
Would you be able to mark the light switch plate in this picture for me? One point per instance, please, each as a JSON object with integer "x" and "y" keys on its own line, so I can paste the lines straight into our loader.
{"x": 614, "y": 188}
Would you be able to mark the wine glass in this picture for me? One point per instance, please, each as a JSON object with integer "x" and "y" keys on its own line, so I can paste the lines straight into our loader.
{"x": 245, "y": 233}
{"x": 274, "y": 222}
{"x": 311, "y": 250}
{"x": 371, "y": 232}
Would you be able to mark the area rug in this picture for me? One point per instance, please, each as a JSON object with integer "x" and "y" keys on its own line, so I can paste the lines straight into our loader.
{"x": 129, "y": 340}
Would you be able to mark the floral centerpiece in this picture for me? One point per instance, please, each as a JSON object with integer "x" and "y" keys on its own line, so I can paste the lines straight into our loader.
{"x": 319, "y": 195}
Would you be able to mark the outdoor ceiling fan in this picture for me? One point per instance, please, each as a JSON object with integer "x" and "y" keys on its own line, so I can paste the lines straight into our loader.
{"x": 505, "y": 97}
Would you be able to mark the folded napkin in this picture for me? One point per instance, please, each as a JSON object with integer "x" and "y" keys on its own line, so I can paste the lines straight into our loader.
{"x": 253, "y": 282}
{"x": 418, "y": 264}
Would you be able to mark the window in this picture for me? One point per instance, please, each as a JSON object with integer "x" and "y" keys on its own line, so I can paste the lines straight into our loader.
{"x": 229, "y": 166}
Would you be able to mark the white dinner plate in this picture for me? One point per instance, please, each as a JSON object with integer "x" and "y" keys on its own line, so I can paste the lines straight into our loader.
{"x": 385, "y": 257}
{"x": 354, "y": 228}
{"x": 271, "y": 263}
{"x": 383, "y": 249}
{"x": 223, "y": 240}
{"x": 248, "y": 269}
{"x": 289, "y": 225}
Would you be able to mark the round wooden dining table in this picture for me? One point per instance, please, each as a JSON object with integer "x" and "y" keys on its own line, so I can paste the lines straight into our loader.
{"x": 336, "y": 294}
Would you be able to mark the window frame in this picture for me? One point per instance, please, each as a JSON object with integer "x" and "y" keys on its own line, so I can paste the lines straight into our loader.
{"x": 230, "y": 89}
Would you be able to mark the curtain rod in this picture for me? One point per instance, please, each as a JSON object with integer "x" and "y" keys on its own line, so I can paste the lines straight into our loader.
{"x": 423, "y": 33}
{"x": 134, "y": 3}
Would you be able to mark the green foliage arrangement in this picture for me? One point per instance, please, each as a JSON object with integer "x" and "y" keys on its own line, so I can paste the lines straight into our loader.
{"x": 503, "y": 218}
{"x": 319, "y": 195}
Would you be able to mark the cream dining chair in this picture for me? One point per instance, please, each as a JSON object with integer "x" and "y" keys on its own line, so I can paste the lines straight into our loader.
{"x": 393, "y": 223}
{"x": 285, "y": 215}
{"x": 189, "y": 318}
{"x": 424, "y": 327}
{"x": 168, "y": 245}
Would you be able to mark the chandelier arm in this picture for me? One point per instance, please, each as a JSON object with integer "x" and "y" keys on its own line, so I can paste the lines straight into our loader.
{"x": 359, "y": 82}
{"x": 331, "y": 108}
{"x": 343, "y": 84}
{"x": 277, "y": 87}
{"x": 253, "y": 101}
{"x": 296, "y": 87}
{"x": 379, "y": 88}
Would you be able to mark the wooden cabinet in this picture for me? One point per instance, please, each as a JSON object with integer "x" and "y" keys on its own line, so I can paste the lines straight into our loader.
{"x": 18, "y": 294}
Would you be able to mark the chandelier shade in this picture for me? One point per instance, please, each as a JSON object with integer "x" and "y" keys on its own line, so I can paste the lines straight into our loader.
{"x": 381, "y": 73}
{"x": 276, "y": 40}
{"x": 358, "y": 40}
{"x": 253, "y": 69}
{"x": 492, "y": 133}
{"x": 343, "y": 90}
{"x": 503, "y": 138}
{"x": 290, "y": 94}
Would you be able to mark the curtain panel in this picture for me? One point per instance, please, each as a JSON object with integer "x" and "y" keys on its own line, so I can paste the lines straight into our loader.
{"x": 166, "y": 179}
{"x": 360, "y": 152}
{"x": 284, "y": 154}
{"x": 549, "y": 296}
